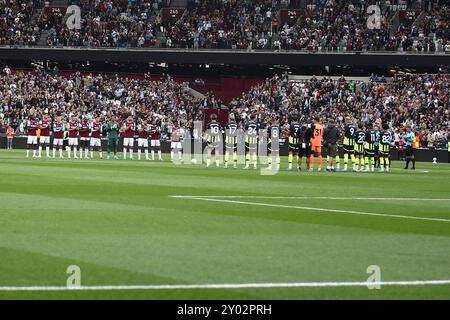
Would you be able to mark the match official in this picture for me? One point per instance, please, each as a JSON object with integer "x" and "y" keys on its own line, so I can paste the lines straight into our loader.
{"x": 331, "y": 137}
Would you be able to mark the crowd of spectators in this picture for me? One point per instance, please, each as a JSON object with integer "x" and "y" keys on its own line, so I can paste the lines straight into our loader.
{"x": 113, "y": 23}
{"x": 225, "y": 24}
{"x": 17, "y": 26}
{"x": 431, "y": 34}
{"x": 328, "y": 25}
{"x": 421, "y": 101}
{"x": 25, "y": 94}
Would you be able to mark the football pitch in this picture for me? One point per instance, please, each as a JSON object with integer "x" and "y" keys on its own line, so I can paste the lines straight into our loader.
{"x": 155, "y": 230}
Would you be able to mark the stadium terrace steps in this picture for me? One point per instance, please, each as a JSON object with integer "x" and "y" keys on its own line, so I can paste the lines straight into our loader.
{"x": 60, "y": 3}
{"x": 178, "y": 3}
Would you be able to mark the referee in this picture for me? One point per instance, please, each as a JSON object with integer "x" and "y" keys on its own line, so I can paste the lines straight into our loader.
{"x": 409, "y": 140}
{"x": 331, "y": 137}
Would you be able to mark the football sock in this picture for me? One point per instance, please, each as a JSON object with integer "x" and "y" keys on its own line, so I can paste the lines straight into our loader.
{"x": 311, "y": 161}
{"x": 338, "y": 162}
{"x": 320, "y": 161}
{"x": 352, "y": 157}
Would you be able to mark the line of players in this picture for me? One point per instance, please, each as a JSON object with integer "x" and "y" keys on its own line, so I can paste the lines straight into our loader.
{"x": 361, "y": 146}
{"x": 85, "y": 135}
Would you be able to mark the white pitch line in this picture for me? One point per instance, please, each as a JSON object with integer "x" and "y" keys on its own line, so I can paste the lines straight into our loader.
{"x": 314, "y": 198}
{"x": 320, "y": 209}
{"x": 229, "y": 286}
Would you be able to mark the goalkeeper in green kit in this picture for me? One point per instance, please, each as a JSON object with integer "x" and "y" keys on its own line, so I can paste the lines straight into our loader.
{"x": 112, "y": 128}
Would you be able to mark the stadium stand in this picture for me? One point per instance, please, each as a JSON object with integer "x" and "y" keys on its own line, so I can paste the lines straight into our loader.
{"x": 18, "y": 23}
{"x": 254, "y": 25}
{"x": 418, "y": 100}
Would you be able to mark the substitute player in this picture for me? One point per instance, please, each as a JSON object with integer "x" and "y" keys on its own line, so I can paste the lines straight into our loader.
{"x": 360, "y": 138}
{"x": 331, "y": 138}
{"x": 385, "y": 147}
{"x": 143, "y": 130}
{"x": 128, "y": 129}
{"x": 214, "y": 140}
{"x": 58, "y": 136}
{"x": 155, "y": 140}
{"x": 409, "y": 140}
{"x": 44, "y": 139}
{"x": 32, "y": 140}
{"x": 251, "y": 142}
{"x": 73, "y": 127}
{"x": 348, "y": 144}
{"x": 304, "y": 145}
{"x": 96, "y": 137}
{"x": 316, "y": 145}
{"x": 231, "y": 136}
{"x": 294, "y": 128}
{"x": 273, "y": 144}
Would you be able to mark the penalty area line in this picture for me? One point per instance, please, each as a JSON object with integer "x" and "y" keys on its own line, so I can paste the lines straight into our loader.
{"x": 317, "y": 209}
{"x": 229, "y": 286}
{"x": 314, "y": 198}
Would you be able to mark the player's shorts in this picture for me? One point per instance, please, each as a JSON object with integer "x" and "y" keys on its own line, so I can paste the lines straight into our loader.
{"x": 44, "y": 139}
{"x": 213, "y": 142}
{"x": 317, "y": 149}
{"x": 293, "y": 144}
{"x": 231, "y": 143}
{"x": 384, "y": 150}
{"x": 369, "y": 152}
{"x": 377, "y": 150}
{"x": 96, "y": 142}
{"x": 304, "y": 152}
{"x": 73, "y": 141}
{"x": 409, "y": 151}
{"x": 128, "y": 142}
{"x": 85, "y": 139}
{"x": 273, "y": 147}
{"x": 142, "y": 143}
{"x": 348, "y": 148}
{"x": 32, "y": 140}
{"x": 175, "y": 145}
{"x": 251, "y": 143}
{"x": 348, "y": 142}
{"x": 155, "y": 143}
{"x": 58, "y": 142}
{"x": 332, "y": 150}
{"x": 359, "y": 149}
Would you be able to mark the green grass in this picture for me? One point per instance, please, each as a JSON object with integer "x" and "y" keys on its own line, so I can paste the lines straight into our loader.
{"x": 117, "y": 221}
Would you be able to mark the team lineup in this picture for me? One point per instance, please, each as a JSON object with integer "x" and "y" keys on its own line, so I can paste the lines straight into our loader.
{"x": 363, "y": 148}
